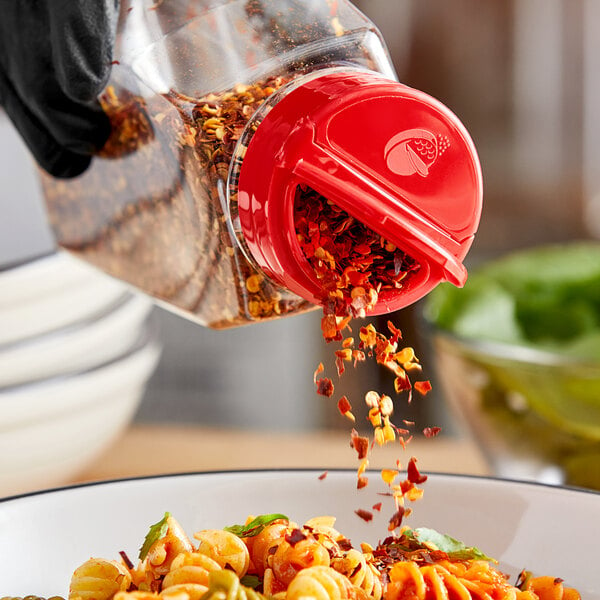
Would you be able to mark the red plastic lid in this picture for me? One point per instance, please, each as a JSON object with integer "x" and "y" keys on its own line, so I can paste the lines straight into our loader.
{"x": 390, "y": 156}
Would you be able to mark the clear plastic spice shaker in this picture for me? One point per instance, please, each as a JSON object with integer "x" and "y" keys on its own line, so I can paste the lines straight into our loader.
{"x": 220, "y": 110}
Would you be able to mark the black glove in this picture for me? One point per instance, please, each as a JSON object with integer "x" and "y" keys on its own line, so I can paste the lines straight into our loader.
{"x": 55, "y": 58}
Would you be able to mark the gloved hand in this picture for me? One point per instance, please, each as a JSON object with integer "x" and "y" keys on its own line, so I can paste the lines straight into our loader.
{"x": 55, "y": 58}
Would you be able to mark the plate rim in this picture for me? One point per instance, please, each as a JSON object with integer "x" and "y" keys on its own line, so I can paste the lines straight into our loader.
{"x": 159, "y": 476}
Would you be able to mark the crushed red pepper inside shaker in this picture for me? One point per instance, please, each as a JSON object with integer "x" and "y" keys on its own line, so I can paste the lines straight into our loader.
{"x": 392, "y": 157}
{"x": 242, "y": 131}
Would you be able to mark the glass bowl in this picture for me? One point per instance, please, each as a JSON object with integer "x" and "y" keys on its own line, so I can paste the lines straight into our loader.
{"x": 517, "y": 357}
{"x": 534, "y": 414}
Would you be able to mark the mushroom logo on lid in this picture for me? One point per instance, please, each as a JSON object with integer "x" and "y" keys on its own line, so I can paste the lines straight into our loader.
{"x": 414, "y": 151}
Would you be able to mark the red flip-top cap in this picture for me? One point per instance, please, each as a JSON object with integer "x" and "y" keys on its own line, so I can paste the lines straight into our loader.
{"x": 390, "y": 156}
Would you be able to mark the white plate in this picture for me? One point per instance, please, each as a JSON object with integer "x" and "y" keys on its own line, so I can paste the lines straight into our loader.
{"x": 51, "y": 293}
{"x": 49, "y": 399}
{"x": 549, "y": 530}
{"x": 42, "y": 277}
{"x": 49, "y": 432}
{"x": 77, "y": 347}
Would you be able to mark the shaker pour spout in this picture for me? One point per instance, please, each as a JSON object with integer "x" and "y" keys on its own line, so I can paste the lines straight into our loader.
{"x": 385, "y": 213}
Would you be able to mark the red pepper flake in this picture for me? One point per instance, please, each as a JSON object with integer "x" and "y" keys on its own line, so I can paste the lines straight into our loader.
{"x": 402, "y": 383}
{"x": 126, "y": 560}
{"x": 365, "y": 515}
{"x": 323, "y": 475}
{"x": 412, "y": 472}
{"x": 396, "y": 519}
{"x": 344, "y": 405}
{"x": 294, "y": 537}
{"x": 423, "y": 387}
{"x": 362, "y": 482}
{"x": 325, "y": 387}
{"x": 329, "y": 327}
{"x": 354, "y": 266}
{"x": 318, "y": 371}
{"x": 344, "y": 544}
{"x": 358, "y": 356}
{"x": 377, "y": 506}
{"x": 359, "y": 443}
{"x": 396, "y": 333}
{"x": 430, "y": 432}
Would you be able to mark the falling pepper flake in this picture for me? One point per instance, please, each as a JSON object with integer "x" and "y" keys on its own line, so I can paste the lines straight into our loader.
{"x": 413, "y": 494}
{"x": 430, "y": 432}
{"x": 412, "y": 472}
{"x": 354, "y": 266}
{"x": 360, "y": 444}
{"x": 388, "y": 475}
{"x": 377, "y": 506}
{"x": 365, "y": 515}
{"x": 402, "y": 383}
{"x": 348, "y": 342}
{"x": 345, "y": 408}
{"x": 396, "y": 333}
{"x": 362, "y": 482}
{"x": 423, "y": 387}
{"x": 318, "y": 371}
{"x": 397, "y": 518}
{"x": 323, "y": 475}
{"x": 325, "y": 387}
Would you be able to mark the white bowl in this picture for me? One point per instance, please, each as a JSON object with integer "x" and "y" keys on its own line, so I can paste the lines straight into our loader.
{"x": 51, "y": 293}
{"x": 50, "y": 430}
{"x": 546, "y": 529}
{"x": 94, "y": 340}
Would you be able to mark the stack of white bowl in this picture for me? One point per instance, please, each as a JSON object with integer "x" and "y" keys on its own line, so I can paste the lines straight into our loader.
{"x": 76, "y": 351}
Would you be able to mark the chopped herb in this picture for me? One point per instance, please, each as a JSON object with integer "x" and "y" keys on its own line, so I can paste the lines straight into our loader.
{"x": 255, "y": 526}
{"x": 251, "y": 581}
{"x": 156, "y": 531}
{"x": 452, "y": 547}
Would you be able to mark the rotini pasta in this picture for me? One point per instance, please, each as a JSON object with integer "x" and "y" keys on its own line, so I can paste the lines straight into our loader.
{"x": 225, "y": 548}
{"x": 273, "y": 558}
{"x": 99, "y": 579}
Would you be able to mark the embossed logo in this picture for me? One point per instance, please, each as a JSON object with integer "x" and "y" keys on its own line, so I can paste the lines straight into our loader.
{"x": 414, "y": 151}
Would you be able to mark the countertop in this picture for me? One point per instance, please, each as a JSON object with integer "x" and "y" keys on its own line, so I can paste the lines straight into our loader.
{"x": 152, "y": 450}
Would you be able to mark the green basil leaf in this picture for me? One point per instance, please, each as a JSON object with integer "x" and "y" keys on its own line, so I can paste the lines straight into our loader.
{"x": 251, "y": 581}
{"x": 451, "y": 546}
{"x": 255, "y": 526}
{"x": 155, "y": 532}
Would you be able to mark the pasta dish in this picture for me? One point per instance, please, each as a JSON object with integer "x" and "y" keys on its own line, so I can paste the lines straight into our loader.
{"x": 271, "y": 557}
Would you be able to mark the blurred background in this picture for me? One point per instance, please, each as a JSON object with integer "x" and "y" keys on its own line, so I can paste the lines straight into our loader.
{"x": 524, "y": 78}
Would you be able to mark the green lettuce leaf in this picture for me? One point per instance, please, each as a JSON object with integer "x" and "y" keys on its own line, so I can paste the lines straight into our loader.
{"x": 452, "y": 547}
{"x": 255, "y": 526}
{"x": 155, "y": 532}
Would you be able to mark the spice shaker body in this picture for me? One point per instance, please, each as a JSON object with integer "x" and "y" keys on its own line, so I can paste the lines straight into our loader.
{"x": 193, "y": 85}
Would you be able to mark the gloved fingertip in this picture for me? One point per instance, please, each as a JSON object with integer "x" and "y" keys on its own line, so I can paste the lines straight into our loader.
{"x": 102, "y": 131}
{"x": 65, "y": 165}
